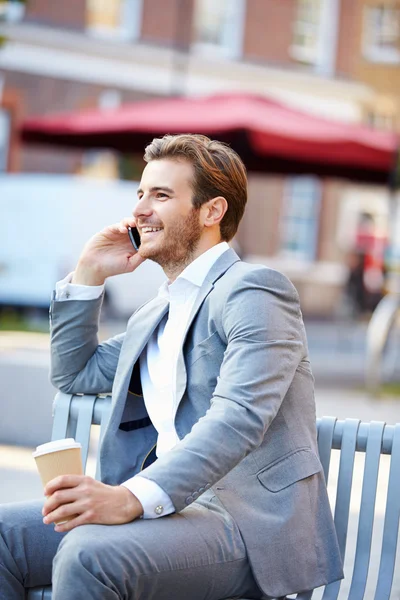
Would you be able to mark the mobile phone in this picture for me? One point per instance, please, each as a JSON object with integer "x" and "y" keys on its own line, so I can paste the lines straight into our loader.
{"x": 134, "y": 237}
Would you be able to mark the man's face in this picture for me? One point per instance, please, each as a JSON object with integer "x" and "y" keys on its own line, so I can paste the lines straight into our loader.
{"x": 167, "y": 221}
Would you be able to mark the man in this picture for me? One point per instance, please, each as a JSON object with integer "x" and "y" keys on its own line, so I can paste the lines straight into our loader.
{"x": 212, "y": 376}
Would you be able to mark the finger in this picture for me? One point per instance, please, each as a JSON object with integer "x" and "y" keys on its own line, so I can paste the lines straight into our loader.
{"x": 63, "y": 512}
{"x": 115, "y": 228}
{"x": 128, "y": 222}
{"x": 59, "y": 498}
{"x": 125, "y": 223}
{"x": 135, "y": 260}
{"x": 81, "y": 519}
{"x": 62, "y": 482}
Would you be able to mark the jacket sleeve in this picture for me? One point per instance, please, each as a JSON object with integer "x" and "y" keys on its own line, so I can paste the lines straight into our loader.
{"x": 79, "y": 364}
{"x": 263, "y": 330}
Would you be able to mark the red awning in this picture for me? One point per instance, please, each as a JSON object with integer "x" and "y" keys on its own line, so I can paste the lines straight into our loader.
{"x": 269, "y": 136}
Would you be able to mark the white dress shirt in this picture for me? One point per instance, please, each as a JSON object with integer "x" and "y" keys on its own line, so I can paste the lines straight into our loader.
{"x": 158, "y": 364}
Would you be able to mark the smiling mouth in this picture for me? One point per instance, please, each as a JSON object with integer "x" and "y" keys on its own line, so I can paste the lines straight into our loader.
{"x": 148, "y": 232}
{"x": 151, "y": 229}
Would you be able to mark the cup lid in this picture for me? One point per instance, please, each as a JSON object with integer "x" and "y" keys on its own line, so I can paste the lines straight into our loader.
{"x": 55, "y": 446}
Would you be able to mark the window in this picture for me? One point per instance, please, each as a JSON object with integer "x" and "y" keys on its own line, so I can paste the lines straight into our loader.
{"x": 219, "y": 27}
{"x": 381, "y": 40}
{"x": 114, "y": 18}
{"x": 306, "y": 31}
{"x": 382, "y": 120}
{"x": 5, "y": 131}
{"x": 11, "y": 11}
{"x": 300, "y": 218}
{"x": 380, "y": 111}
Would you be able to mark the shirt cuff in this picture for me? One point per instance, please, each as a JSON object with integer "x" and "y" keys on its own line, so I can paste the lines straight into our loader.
{"x": 65, "y": 290}
{"x": 155, "y": 502}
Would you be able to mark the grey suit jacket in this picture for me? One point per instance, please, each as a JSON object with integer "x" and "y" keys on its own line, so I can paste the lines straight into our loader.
{"x": 245, "y": 418}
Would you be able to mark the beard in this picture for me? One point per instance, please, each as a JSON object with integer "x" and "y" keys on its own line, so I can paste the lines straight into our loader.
{"x": 178, "y": 246}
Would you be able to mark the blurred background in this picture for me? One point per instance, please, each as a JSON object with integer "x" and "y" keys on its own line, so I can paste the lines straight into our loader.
{"x": 333, "y": 231}
{"x": 337, "y": 59}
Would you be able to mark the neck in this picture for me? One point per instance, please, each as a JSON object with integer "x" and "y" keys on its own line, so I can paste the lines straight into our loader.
{"x": 173, "y": 269}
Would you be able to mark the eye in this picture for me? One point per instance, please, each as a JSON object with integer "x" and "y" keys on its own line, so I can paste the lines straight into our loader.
{"x": 162, "y": 195}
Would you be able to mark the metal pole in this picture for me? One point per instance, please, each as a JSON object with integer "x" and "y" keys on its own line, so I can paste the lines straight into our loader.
{"x": 384, "y": 316}
{"x": 2, "y": 84}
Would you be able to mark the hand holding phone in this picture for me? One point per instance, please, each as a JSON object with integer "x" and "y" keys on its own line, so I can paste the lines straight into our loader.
{"x": 107, "y": 254}
{"x": 134, "y": 237}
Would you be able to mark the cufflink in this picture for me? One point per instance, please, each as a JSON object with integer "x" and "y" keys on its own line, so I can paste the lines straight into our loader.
{"x": 67, "y": 294}
{"x": 159, "y": 510}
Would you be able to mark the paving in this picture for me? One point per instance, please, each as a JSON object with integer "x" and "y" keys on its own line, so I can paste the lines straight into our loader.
{"x": 338, "y": 357}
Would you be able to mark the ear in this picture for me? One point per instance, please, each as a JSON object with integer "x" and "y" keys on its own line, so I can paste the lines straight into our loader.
{"x": 214, "y": 210}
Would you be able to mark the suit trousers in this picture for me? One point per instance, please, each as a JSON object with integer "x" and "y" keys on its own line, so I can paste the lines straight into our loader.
{"x": 197, "y": 554}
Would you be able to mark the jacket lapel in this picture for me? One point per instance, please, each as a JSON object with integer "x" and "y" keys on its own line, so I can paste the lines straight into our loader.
{"x": 224, "y": 262}
{"x": 143, "y": 323}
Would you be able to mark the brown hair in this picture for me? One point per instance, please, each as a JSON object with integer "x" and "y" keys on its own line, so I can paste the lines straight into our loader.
{"x": 218, "y": 171}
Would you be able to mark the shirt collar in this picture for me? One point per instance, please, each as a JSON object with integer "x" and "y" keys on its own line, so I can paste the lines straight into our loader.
{"x": 197, "y": 271}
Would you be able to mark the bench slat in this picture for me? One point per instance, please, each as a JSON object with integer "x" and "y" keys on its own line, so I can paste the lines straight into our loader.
{"x": 367, "y": 510}
{"x": 326, "y": 427}
{"x": 104, "y": 418}
{"x": 61, "y": 413}
{"x": 304, "y": 595}
{"x": 84, "y": 423}
{"x": 391, "y": 525}
{"x": 342, "y": 507}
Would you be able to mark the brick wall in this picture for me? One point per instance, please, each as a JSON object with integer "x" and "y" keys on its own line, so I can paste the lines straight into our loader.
{"x": 348, "y": 50}
{"x": 268, "y": 31}
{"x": 71, "y": 14}
{"x": 259, "y": 230}
{"x": 267, "y": 36}
{"x": 42, "y": 95}
{"x": 168, "y": 22}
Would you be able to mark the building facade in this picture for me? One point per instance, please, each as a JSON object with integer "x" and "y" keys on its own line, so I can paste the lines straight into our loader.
{"x": 322, "y": 56}
{"x": 377, "y": 42}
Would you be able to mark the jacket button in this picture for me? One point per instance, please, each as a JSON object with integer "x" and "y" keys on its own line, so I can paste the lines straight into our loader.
{"x": 201, "y": 490}
{"x": 189, "y": 499}
{"x": 207, "y": 486}
{"x": 195, "y": 495}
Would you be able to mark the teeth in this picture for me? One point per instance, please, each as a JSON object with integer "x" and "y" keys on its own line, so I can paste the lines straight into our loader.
{"x": 150, "y": 229}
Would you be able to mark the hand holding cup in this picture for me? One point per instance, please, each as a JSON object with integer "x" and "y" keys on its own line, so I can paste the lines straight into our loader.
{"x": 60, "y": 457}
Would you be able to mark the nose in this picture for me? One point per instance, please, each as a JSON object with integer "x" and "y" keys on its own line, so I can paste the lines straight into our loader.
{"x": 142, "y": 208}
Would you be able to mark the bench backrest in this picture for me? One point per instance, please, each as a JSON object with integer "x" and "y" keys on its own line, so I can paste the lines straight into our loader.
{"x": 375, "y": 439}
{"x": 74, "y": 415}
